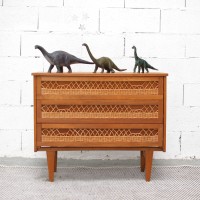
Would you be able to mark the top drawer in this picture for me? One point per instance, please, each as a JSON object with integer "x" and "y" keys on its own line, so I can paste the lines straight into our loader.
{"x": 99, "y": 87}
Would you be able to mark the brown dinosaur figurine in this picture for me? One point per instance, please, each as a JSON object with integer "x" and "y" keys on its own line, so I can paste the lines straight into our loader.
{"x": 60, "y": 59}
{"x": 104, "y": 63}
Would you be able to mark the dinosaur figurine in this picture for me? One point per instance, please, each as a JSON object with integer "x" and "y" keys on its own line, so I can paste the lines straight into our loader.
{"x": 140, "y": 63}
{"x": 60, "y": 59}
{"x": 104, "y": 63}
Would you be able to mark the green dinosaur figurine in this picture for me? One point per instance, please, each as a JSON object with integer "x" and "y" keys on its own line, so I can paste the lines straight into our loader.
{"x": 104, "y": 63}
{"x": 140, "y": 63}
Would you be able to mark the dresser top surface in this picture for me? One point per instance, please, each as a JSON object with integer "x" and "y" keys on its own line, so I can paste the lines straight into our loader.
{"x": 82, "y": 74}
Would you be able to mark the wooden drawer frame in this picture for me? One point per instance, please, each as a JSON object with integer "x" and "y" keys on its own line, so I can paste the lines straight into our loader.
{"x": 115, "y": 93}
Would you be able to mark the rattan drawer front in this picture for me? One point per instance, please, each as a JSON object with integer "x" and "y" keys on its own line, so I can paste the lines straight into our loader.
{"x": 99, "y": 87}
{"x": 100, "y": 135}
{"x": 101, "y": 111}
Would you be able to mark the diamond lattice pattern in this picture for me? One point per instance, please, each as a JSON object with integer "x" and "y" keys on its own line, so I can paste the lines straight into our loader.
{"x": 99, "y": 111}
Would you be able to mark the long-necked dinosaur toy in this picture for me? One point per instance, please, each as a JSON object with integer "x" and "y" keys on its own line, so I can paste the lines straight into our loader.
{"x": 60, "y": 59}
{"x": 104, "y": 63}
{"x": 140, "y": 63}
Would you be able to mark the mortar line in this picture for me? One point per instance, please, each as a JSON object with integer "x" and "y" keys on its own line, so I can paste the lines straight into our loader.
{"x": 160, "y": 22}
{"x": 20, "y": 47}
{"x": 38, "y": 19}
{"x": 21, "y": 141}
{"x": 99, "y": 21}
{"x": 20, "y": 98}
{"x": 124, "y": 46}
{"x": 183, "y": 94}
{"x": 180, "y": 139}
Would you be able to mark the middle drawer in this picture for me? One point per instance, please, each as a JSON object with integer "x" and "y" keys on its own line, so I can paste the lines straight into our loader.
{"x": 100, "y": 111}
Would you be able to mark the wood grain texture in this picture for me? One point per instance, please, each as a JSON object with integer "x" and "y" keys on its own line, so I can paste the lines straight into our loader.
{"x": 87, "y": 111}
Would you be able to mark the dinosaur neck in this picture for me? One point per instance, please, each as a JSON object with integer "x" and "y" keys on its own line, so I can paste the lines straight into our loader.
{"x": 135, "y": 53}
{"x": 44, "y": 52}
{"x": 90, "y": 54}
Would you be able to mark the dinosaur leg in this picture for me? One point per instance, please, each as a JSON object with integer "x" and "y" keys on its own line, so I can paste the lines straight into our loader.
{"x": 134, "y": 70}
{"x": 69, "y": 69}
{"x": 59, "y": 69}
{"x": 95, "y": 69}
{"x": 108, "y": 71}
{"x": 143, "y": 69}
{"x": 102, "y": 71}
{"x": 139, "y": 69}
{"x": 50, "y": 68}
{"x": 146, "y": 67}
{"x": 111, "y": 70}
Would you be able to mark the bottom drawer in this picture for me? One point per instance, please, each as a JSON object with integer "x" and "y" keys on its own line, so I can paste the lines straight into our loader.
{"x": 99, "y": 135}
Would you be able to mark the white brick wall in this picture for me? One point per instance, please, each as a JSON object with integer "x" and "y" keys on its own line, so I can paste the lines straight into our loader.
{"x": 165, "y": 32}
{"x": 155, "y": 3}
{"x": 119, "y": 20}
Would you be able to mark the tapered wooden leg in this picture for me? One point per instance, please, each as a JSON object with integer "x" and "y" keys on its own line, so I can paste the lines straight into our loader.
{"x": 55, "y": 161}
{"x": 51, "y": 164}
{"x": 142, "y": 160}
{"x": 148, "y": 163}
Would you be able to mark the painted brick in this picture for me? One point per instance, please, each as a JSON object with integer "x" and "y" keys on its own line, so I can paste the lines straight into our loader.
{"x": 22, "y": 18}
{"x": 174, "y": 94}
{"x": 155, "y": 45}
{"x": 192, "y": 94}
{"x": 180, "y": 21}
{"x": 19, "y": 68}
{"x": 104, "y": 45}
{"x": 27, "y": 93}
{"x": 154, "y": 3}
{"x": 172, "y": 148}
{"x": 9, "y": 43}
{"x": 190, "y": 147}
{"x": 33, "y": 3}
{"x": 51, "y": 42}
{"x": 28, "y": 145}
{"x": 10, "y": 93}
{"x": 179, "y": 70}
{"x": 94, "y": 4}
{"x": 117, "y": 20}
{"x": 193, "y": 4}
{"x": 183, "y": 119}
{"x": 193, "y": 46}
{"x": 14, "y": 117}
{"x": 69, "y": 20}
{"x": 10, "y": 143}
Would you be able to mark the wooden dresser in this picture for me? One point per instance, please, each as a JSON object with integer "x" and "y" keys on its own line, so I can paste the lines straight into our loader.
{"x": 87, "y": 111}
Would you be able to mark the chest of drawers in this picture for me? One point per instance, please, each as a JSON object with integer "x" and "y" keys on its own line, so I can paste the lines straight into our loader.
{"x": 86, "y": 111}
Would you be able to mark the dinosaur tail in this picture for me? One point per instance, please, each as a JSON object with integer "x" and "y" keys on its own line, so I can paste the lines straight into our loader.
{"x": 78, "y": 60}
{"x": 150, "y": 67}
{"x": 116, "y": 68}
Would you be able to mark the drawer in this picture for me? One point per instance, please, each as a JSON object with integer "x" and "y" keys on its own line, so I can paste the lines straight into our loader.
{"x": 99, "y": 135}
{"x": 99, "y": 87}
{"x": 100, "y": 111}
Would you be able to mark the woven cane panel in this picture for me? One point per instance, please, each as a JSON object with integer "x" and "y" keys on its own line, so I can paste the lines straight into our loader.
{"x": 99, "y": 135}
{"x": 100, "y": 87}
{"x": 100, "y": 111}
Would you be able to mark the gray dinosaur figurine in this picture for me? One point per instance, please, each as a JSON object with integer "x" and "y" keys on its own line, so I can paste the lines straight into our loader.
{"x": 60, "y": 59}
{"x": 104, "y": 63}
{"x": 140, "y": 63}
